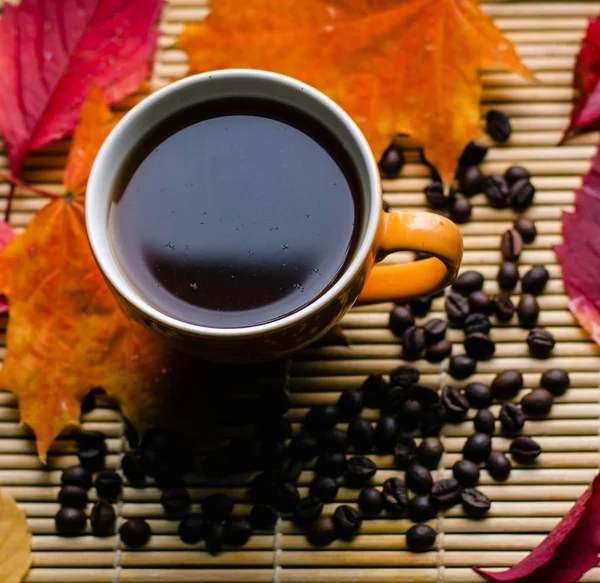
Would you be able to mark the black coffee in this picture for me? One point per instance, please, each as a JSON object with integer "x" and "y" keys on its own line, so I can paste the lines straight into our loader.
{"x": 235, "y": 213}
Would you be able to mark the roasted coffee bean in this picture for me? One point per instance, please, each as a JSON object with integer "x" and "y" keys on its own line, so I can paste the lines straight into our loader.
{"x": 287, "y": 497}
{"x": 466, "y": 472}
{"x": 135, "y": 532}
{"x": 460, "y": 209}
{"x": 480, "y": 302}
{"x": 263, "y": 517}
{"x": 274, "y": 429}
{"x": 516, "y": 173}
{"x": 479, "y": 395}
{"x": 430, "y": 451}
{"x": 438, "y": 351}
{"x": 556, "y": 380}
{"x": 508, "y": 276}
{"x": 405, "y": 376}
{"x": 504, "y": 309}
{"x": 537, "y": 403}
{"x": 392, "y": 400}
{"x": 76, "y": 476}
{"x": 331, "y": 464}
{"x": 435, "y": 330}
{"x": 176, "y": 501}
{"x": 410, "y": 413}
{"x": 471, "y": 180}
{"x": 263, "y": 488}
{"x": 131, "y": 434}
{"x": 289, "y": 469}
{"x": 540, "y": 342}
{"x": 446, "y": 493}
{"x": 421, "y": 509}
{"x": 511, "y": 245}
{"x": 400, "y": 320}
{"x": 522, "y": 193}
{"x": 90, "y": 440}
{"x": 526, "y": 228}
{"x": 92, "y": 459}
{"x": 433, "y": 420}
{"x": 528, "y": 311}
{"x": 413, "y": 342}
{"x": 468, "y": 282}
{"x": 420, "y": 537}
{"x": 477, "y": 322}
{"x": 472, "y": 155}
{"x": 511, "y": 418}
{"x": 477, "y": 447}
{"x": 324, "y": 487}
{"x": 191, "y": 528}
{"x": 370, "y": 501}
{"x": 217, "y": 507}
{"x": 304, "y": 447}
{"x": 474, "y": 502}
{"x": 535, "y": 280}
{"x": 455, "y": 403}
{"x": 484, "y": 422}
{"x": 321, "y": 532}
{"x": 498, "y": 466}
{"x": 507, "y": 384}
{"x": 133, "y": 468}
{"x": 320, "y": 418}
{"x": 395, "y": 496}
{"x": 496, "y": 191}
{"x": 108, "y": 484}
{"x": 392, "y": 161}
{"x": 359, "y": 470}
{"x": 88, "y": 403}
{"x": 405, "y": 452}
{"x": 103, "y": 519}
{"x": 307, "y": 510}
{"x": 421, "y": 306}
{"x": 347, "y": 521}
{"x": 434, "y": 193}
{"x": 237, "y": 531}
{"x": 457, "y": 309}
{"x": 361, "y": 434}
{"x": 479, "y": 346}
{"x": 385, "y": 205}
{"x": 418, "y": 479}
{"x": 70, "y": 521}
{"x": 214, "y": 536}
{"x": 462, "y": 366}
{"x": 386, "y": 432}
{"x": 524, "y": 450}
{"x": 350, "y": 404}
{"x": 425, "y": 394}
{"x": 334, "y": 440}
{"x": 497, "y": 125}
{"x": 73, "y": 496}
{"x": 272, "y": 453}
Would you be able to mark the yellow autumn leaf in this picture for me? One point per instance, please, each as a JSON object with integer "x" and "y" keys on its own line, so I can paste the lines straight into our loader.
{"x": 15, "y": 541}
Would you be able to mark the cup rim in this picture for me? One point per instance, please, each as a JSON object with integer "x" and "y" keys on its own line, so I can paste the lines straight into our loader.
{"x": 97, "y": 194}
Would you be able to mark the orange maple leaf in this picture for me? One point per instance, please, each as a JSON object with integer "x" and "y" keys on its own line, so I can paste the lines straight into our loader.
{"x": 396, "y": 66}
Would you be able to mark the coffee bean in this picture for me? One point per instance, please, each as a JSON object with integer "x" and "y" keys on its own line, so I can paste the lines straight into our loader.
{"x": 73, "y": 496}
{"x": 496, "y": 191}
{"x": 70, "y": 521}
{"x": 400, "y": 320}
{"x": 347, "y": 521}
{"x": 289, "y": 469}
{"x": 526, "y": 228}
{"x": 304, "y": 447}
{"x": 435, "y": 330}
{"x": 480, "y": 302}
{"x": 484, "y": 422}
{"x": 135, "y": 532}
{"x": 438, "y": 351}
{"x": 455, "y": 403}
{"x": 409, "y": 414}
{"x": 321, "y": 532}
{"x": 535, "y": 280}
{"x": 350, "y": 404}
{"x": 263, "y": 487}
{"x": 421, "y": 509}
{"x": 425, "y": 394}
{"x": 370, "y": 501}
{"x": 537, "y": 403}
{"x": 498, "y": 466}
{"x": 524, "y": 450}
{"x": 395, "y": 496}
{"x": 556, "y": 380}
{"x": 497, "y": 125}
{"x": 405, "y": 376}
{"x": 474, "y": 502}
{"x": 320, "y": 418}
{"x": 471, "y": 180}
{"x": 515, "y": 173}
{"x": 385, "y": 205}
{"x": 507, "y": 384}
{"x": 90, "y": 440}
{"x": 508, "y": 276}
{"x": 392, "y": 161}
{"x": 504, "y": 309}
{"x": 434, "y": 193}
{"x": 214, "y": 536}
{"x": 446, "y": 493}
{"x": 522, "y": 193}
{"x": 217, "y": 507}
{"x": 511, "y": 245}
{"x": 88, "y": 403}
{"x": 405, "y": 452}
{"x": 479, "y": 396}
{"x": 430, "y": 451}
{"x": 413, "y": 342}
{"x": 468, "y": 282}
{"x": 108, "y": 484}
{"x": 466, "y": 472}
{"x": 386, "y": 432}
{"x": 92, "y": 459}
{"x": 540, "y": 342}
{"x": 263, "y": 517}
{"x": 479, "y": 346}
{"x": 421, "y": 306}
{"x": 477, "y": 447}
{"x": 237, "y": 531}
{"x": 287, "y": 497}
{"x": 477, "y": 322}
{"x": 334, "y": 440}
{"x": 511, "y": 418}
{"x": 324, "y": 487}
{"x": 460, "y": 210}
{"x": 462, "y": 366}
{"x": 176, "y": 501}
{"x": 308, "y": 510}
{"x": 131, "y": 434}
{"x": 76, "y": 476}
{"x": 420, "y": 537}
{"x": 359, "y": 470}
{"x": 361, "y": 434}
{"x": 472, "y": 155}
{"x": 191, "y": 528}
{"x": 418, "y": 479}
{"x": 528, "y": 311}
{"x": 275, "y": 429}
{"x": 331, "y": 464}
{"x": 133, "y": 468}
{"x": 433, "y": 420}
{"x": 457, "y": 309}
{"x": 103, "y": 519}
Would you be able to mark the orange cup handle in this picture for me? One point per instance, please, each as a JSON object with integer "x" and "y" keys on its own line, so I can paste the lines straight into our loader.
{"x": 414, "y": 231}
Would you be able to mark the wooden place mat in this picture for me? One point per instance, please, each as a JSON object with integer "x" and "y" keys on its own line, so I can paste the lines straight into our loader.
{"x": 547, "y": 36}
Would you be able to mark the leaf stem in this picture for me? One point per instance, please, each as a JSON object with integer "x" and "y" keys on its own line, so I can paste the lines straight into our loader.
{"x": 18, "y": 182}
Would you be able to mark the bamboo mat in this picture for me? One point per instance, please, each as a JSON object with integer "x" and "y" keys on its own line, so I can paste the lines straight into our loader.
{"x": 524, "y": 509}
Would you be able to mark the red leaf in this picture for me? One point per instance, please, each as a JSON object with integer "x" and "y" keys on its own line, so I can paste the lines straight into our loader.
{"x": 567, "y": 552}
{"x": 6, "y": 236}
{"x": 53, "y": 51}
